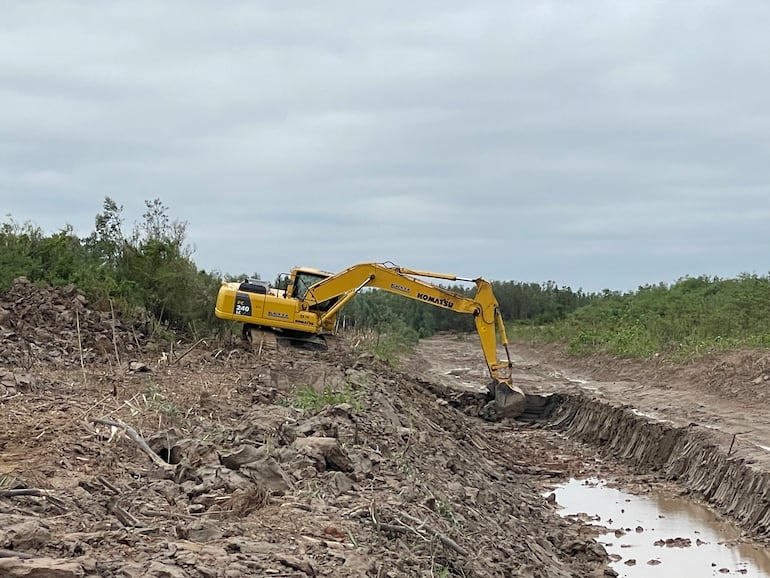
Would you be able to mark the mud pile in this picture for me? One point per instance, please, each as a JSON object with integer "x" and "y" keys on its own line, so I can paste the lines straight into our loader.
{"x": 292, "y": 463}
{"x": 45, "y": 325}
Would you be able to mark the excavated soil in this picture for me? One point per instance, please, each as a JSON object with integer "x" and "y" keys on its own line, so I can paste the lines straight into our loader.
{"x": 124, "y": 456}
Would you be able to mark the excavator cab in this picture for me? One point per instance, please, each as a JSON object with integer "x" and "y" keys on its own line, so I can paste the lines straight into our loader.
{"x": 300, "y": 284}
{"x": 302, "y": 281}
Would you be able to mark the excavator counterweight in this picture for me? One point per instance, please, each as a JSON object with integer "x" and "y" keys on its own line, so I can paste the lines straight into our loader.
{"x": 311, "y": 300}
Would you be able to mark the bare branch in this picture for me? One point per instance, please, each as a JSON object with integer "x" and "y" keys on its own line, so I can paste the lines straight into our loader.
{"x": 14, "y": 554}
{"x": 24, "y": 492}
{"x": 194, "y": 345}
{"x": 137, "y": 439}
{"x": 443, "y": 538}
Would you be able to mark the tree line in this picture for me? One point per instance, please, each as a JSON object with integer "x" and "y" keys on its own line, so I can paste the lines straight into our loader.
{"x": 145, "y": 272}
{"x": 528, "y": 303}
{"x": 691, "y": 317}
{"x": 147, "y": 269}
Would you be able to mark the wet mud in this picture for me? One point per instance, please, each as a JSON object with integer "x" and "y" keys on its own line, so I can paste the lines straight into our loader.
{"x": 657, "y": 535}
{"x": 697, "y": 432}
{"x": 692, "y": 456}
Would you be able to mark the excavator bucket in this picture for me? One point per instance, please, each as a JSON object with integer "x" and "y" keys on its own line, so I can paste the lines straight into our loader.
{"x": 508, "y": 400}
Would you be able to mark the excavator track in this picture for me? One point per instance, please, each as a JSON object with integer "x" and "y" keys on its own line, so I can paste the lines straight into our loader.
{"x": 262, "y": 339}
{"x": 333, "y": 342}
{"x": 309, "y": 342}
{"x": 266, "y": 339}
{"x": 323, "y": 342}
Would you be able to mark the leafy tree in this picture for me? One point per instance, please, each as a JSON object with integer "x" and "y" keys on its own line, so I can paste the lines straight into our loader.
{"x": 151, "y": 270}
{"x": 17, "y": 243}
{"x": 107, "y": 242}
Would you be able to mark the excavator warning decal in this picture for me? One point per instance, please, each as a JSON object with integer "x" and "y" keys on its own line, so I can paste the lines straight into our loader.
{"x": 242, "y": 304}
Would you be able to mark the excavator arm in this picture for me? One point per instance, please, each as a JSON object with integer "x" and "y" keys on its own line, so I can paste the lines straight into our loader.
{"x": 407, "y": 283}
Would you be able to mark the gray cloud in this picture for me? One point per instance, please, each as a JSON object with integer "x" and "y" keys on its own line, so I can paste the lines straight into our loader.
{"x": 596, "y": 144}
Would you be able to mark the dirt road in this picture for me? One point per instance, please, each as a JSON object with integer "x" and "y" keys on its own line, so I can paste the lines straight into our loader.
{"x": 700, "y": 426}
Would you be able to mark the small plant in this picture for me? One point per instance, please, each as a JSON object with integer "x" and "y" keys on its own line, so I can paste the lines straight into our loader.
{"x": 157, "y": 402}
{"x": 445, "y": 510}
{"x": 394, "y": 343}
{"x": 403, "y": 463}
{"x": 352, "y": 539}
{"x": 309, "y": 399}
{"x": 441, "y": 572}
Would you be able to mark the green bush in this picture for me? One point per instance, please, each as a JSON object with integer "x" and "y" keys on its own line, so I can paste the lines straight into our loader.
{"x": 309, "y": 399}
{"x": 694, "y": 316}
{"x": 148, "y": 273}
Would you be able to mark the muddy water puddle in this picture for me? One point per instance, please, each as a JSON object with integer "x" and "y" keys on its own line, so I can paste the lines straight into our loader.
{"x": 661, "y": 536}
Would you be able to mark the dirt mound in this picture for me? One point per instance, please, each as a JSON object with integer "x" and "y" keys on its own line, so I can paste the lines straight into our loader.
{"x": 252, "y": 467}
{"x": 54, "y": 326}
{"x": 741, "y": 375}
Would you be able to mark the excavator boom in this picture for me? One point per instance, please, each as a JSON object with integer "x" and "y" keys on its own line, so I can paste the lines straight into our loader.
{"x": 406, "y": 282}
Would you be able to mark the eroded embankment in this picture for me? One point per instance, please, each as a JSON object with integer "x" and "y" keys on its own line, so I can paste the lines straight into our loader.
{"x": 691, "y": 456}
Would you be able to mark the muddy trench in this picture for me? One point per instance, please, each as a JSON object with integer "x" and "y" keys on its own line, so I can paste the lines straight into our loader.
{"x": 692, "y": 456}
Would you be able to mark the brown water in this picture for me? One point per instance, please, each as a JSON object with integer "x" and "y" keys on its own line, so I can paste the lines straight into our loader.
{"x": 665, "y": 537}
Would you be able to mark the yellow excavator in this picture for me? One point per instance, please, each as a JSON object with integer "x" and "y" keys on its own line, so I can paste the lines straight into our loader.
{"x": 307, "y": 308}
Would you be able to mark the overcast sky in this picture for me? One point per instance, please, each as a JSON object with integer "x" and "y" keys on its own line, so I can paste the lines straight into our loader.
{"x": 596, "y": 144}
